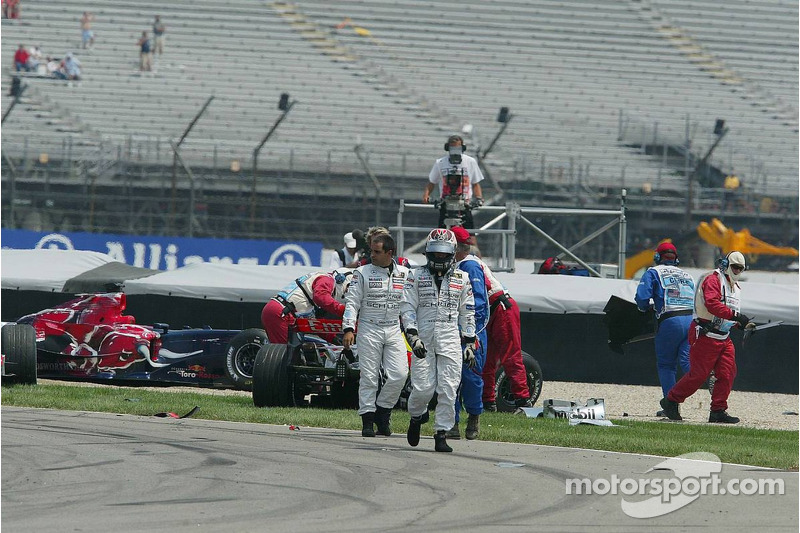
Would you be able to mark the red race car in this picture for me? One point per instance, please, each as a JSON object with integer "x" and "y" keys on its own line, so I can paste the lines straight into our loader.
{"x": 91, "y": 338}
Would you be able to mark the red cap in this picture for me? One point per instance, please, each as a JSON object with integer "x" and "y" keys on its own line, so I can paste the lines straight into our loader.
{"x": 667, "y": 247}
{"x": 462, "y": 235}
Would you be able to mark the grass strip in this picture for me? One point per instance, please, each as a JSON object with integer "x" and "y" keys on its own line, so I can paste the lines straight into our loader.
{"x": 732, "y": 444}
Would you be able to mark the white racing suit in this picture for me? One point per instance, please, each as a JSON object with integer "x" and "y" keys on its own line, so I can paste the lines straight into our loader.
{"x": 437, "y": 313}
{"x": 373, "y": 300}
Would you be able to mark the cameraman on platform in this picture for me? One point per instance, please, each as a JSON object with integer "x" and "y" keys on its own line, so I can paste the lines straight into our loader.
{"x": 456, "y": 174}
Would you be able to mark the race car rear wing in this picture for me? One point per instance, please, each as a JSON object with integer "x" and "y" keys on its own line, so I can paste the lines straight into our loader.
{"x": 318, "y": 325}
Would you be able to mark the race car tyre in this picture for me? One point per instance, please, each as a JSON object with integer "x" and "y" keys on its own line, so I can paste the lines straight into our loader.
{"x": 19, "y": 350}
{"x": 271, "y": 387}
{"x": 502, "y": 385}
{"x": 240, "y": 357}
{"x": 261, "y": 397}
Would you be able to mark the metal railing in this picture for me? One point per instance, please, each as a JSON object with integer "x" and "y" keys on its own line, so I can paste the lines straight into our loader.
{"x": 512, "y": 212}
{"x": 572, "y": 173}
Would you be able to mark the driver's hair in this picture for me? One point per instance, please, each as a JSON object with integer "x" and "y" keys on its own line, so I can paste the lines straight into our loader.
{"x": 376, "y": 230}
{"x": 387, "y": 241}
{"x": 463, "y": 247}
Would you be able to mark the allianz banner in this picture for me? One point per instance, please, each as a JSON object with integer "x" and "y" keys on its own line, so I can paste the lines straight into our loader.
{"x": 169, "y": 253}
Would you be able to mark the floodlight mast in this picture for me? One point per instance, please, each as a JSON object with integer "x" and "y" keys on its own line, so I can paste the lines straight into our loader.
{"x": 504, "y": 117}
{"x": 371, "y": 175}
{"x": 175, "y": 157}
{"x": 284, "y": 105}
{"x": 720, "y": 131}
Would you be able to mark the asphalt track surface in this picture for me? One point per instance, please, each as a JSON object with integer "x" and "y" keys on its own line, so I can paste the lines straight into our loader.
{"x": 75, "y": 471}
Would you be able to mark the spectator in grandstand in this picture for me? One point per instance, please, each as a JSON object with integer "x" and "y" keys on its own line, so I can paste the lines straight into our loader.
{"x": 21, "y": 57}
{"x": 11, "y": 9}
{"x": 311, "y": 295}
{"x": 34, "y": 58}
{"x": 373, "y": 301}
{"x": 671, "y": 290}
{"x": 344, "y": 23}
{"x": 456, "y": 163}
{"x": 87, "y": 35}
{"x": 716, "y": 310}
{"x": 55, "y": 68}
{"x": 348, "y": 256}
{"x": 72, "y": 67}
{"x": 158, "y": 35}
{"x": 145, "y": 53}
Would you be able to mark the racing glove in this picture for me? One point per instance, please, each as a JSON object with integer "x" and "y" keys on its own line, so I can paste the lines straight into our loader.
{"x": 417, "y": 346}
{"x": 477, "y": 202}
{"x": 742, "y": 319}
{"x": 503, "y": 299}
{"x": 469, "y": 352}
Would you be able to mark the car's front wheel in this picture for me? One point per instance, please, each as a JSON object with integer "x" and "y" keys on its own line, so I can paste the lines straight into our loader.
{"x": 240, "y": 356}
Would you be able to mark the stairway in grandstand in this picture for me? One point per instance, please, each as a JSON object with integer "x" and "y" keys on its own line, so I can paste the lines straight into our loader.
{"x": 37, "y": 114}
{"x": 581, "y": 78}
{"x": 568, "y": 70}
{"x": 782, "y": 105}
{"x": 325, "y": 41}
{"x": 246, "y": 59}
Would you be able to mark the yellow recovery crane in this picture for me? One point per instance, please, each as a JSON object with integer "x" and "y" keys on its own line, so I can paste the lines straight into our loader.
{"x": 719, "y": 235}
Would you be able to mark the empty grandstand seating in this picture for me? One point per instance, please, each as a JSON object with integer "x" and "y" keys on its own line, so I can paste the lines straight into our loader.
{"x": 399, "y": 77}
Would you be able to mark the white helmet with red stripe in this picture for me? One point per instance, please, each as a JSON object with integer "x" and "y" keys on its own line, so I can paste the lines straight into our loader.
{"x": 440, "y": 250}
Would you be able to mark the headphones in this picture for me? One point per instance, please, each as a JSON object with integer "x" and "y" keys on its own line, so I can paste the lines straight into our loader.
{"x": 725, "y": 262}
{"x": 657, "y": 258}
{"x": 454, "y": 138}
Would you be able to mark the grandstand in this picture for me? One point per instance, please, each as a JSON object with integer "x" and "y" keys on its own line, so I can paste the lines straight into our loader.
{"x": 592, "y": 87}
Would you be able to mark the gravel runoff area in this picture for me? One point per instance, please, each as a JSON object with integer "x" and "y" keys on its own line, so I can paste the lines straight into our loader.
{"x": 756, "y": 409}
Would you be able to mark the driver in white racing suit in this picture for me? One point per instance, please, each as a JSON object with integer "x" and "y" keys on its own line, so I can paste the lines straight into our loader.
{"x": 437, "y": 299}
{"x": 373, "y": 300}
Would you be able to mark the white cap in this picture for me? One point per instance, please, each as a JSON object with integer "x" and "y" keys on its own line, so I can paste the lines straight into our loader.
{"x": 349, "y": 240}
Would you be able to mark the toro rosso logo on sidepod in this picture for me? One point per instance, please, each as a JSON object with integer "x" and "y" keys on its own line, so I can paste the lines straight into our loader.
{"x": 194, "y": 371}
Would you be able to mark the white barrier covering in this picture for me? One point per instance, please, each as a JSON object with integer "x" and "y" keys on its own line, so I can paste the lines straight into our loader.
{"x": 46, "y": 270}
{"x": 539, "y": 293}
{"x": 214, "y": 281}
